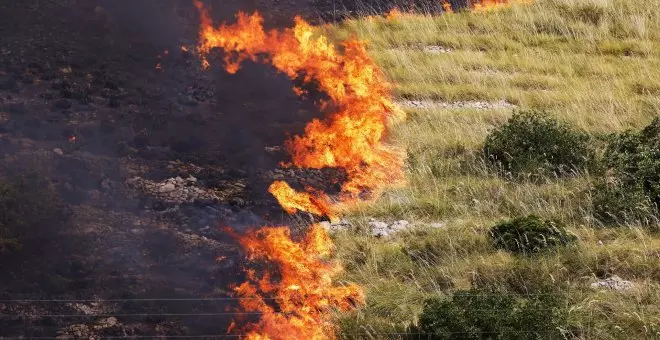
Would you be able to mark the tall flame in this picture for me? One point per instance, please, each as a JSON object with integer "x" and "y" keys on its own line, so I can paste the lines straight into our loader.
{"x": 303, "y": 293}
{"x": 298, "y": 275}
{"x": 352, "y": 138}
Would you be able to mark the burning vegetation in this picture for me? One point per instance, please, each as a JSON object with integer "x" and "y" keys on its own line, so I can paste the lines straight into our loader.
{"x": 350, "y": 138}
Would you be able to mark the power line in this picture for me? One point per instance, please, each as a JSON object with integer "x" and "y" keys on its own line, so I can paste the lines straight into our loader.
{"x": 135, "y": 314}
{"x": 144, "y": 300}
{"x": 230, "y": 298}
{"x": 243, "y": 335}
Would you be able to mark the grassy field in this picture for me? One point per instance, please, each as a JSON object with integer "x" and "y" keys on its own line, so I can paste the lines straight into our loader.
{"x": 594, "y": 64}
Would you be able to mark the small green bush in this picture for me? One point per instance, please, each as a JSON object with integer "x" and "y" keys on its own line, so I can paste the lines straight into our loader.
{"x": 529, "y": 234}
{"x": 616, "y": 203}
{"x": 30, "y": 210}
{"x": 488, "y": 314}
{"x": 531, "y": 143}
{"x": 630, "y": 190}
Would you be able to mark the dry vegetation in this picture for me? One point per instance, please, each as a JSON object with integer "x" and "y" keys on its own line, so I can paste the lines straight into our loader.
{"x": 594, "y": 64}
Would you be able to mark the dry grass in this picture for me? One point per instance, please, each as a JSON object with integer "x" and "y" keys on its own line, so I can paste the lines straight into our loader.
{"x": 592, "y": 63}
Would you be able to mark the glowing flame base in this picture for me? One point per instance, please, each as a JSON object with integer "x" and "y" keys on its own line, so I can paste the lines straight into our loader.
{"x": 294, "y": 292}
{"x": 300, "y": 287}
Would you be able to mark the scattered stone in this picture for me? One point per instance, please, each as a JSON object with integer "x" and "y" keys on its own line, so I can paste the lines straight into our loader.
{"x": 58, "y": 151}
{"x": 342, "y": 225}
{"x": 437, "y": 225}
{"x": 166, "y": 187}
{"x": 479, "y": 105}
{"x": 613, "y": 283}
{"x": 382, "y": 229}
{"x": 436, "y": 49}
{"x": 178, "y": 191}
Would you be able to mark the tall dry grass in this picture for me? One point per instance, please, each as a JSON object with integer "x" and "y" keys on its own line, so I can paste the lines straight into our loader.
{"x": 592, "y": 63}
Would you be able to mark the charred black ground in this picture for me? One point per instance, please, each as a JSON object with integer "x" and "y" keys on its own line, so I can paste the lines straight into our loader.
{"x": 84, "y": 106}
{"x": 148, "y": 153}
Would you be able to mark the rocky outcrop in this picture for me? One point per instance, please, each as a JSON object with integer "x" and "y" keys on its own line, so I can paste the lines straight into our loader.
{"x": 377, "y": 228}
{"x": 477, "y": 105}
{"x": 614, "y": 283}
{"x": 179, "y": 190}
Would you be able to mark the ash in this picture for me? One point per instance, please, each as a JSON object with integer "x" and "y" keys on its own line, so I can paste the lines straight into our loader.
{"x": 151, "y": 156}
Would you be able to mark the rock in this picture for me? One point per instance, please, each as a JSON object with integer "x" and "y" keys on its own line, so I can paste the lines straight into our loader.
{"x": 336, "y": 226}
{"x": 478, "y": 105}
{"x": 379, "y": 229}
{"x": 613, "y": 283}
{"x": 109, "y": 322}
{"x": 58, "y": 151}
{"x": 167, "y": 187}
{"x": 437, "y": 49}
{"x": 437, "y": 225}
{"x": 399, "y": 225}
{"x": 382, "y": 229}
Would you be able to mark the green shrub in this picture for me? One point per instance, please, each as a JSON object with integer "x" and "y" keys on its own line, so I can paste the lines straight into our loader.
{"x": 531, "y": 143}
{"x": 529, "y": 234}
{"x": 630, "y": 190}
{"x": 488, "y": 314}
{"x": 30, "y": 211}
{"x": 617, "y": 203}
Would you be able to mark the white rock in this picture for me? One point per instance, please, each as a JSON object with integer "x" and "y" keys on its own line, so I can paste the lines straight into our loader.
{"x": 437, "y": 225}
{"x": 58, "y": 151}
{"x": 613, "y": 283}
{"x": 399, "y": 225}
{"x": 167, "y": 187}
{"x": 379, "y": 229}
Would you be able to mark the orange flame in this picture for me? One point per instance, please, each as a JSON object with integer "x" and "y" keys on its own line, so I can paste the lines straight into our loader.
{"x": 481, "y": 6}
{"x": 394, "y": 13}
{"x": 293, "y": 201}
{"x": 303, "y": 291}
{"x": 446, "y": 6}
{"x": 351, "y": 138}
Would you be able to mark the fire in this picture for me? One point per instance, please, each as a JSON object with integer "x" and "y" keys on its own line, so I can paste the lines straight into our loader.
{"x": 489, "y": 5}
{"x": 394, "y": 13}
{"x": 351, "y": 138}
{"x": 293, "y": 201}
{"x": 299, "y": 278}
{"x": 299, "y": 275}
{"x": 446, "y": 6}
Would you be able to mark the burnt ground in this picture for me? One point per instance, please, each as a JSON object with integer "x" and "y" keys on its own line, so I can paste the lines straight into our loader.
{"x": 82, "y": 103}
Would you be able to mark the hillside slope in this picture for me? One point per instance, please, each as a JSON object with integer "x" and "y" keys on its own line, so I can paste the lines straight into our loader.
{"x": 592, "y": 64}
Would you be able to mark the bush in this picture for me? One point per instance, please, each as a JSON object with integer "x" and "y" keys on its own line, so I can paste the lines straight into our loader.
{"x": 631, "y": 189}
{"x": 529, "y": 234}
{"x": 533, "y": 143}
{"x": 487, "y": 314}
{"x": 614, "y": 202}
{"x": 30, "y": 211}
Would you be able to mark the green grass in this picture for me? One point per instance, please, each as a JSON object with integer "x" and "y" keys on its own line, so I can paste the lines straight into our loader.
{"x": 592, "y": 63}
